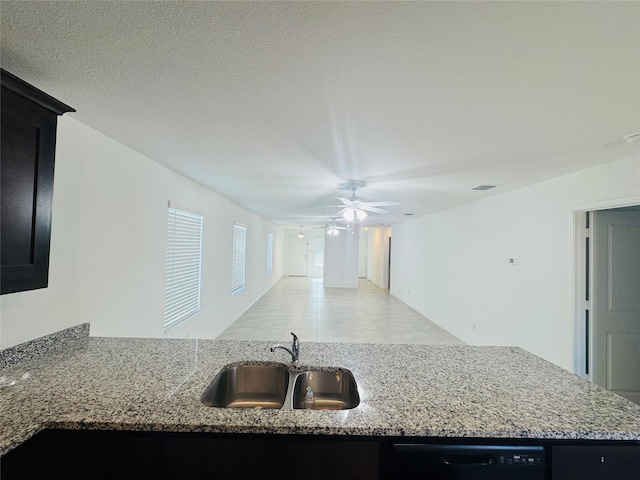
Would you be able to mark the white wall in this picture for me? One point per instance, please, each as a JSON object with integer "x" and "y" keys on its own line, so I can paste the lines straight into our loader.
{"x": 107, "y": 262}
{"x": 363, "y": 252}
{"x": 452, "y": 266}
{"x": 341, "y": 260}
{"x": 378, "y": 255}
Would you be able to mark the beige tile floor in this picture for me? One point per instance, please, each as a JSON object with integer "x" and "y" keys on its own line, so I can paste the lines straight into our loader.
{"x": 367, "y": 314}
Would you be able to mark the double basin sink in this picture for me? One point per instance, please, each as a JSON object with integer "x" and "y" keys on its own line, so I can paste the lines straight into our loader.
{"x": 278, "y": 386}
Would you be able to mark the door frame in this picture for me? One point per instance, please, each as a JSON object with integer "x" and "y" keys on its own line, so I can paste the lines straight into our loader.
{"x": 579, "y": 277}
{"x": 292, "y": 237}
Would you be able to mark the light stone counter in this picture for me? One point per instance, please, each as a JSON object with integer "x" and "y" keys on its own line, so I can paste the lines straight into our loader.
{"x": 405, "y": 390}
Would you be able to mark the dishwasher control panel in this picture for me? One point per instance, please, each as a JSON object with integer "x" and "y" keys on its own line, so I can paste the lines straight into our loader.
{"x": 530, "y": 459}
{"x": 477, "y": 462}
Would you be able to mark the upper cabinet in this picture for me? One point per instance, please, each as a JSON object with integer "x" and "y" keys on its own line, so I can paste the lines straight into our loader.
{"x": 29, "y": 120}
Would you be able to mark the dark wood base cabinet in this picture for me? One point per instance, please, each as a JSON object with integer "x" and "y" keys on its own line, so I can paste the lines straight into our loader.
{"x": 69, "y": 455}
{"x": 88, "y": 455}
{"x": 115, "y": 455}
{"x": 596, "y": 462}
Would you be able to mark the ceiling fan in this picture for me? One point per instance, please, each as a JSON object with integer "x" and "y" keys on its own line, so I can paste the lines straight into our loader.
{"x": 333, "y": 228}
{"x": 355, "y": 206}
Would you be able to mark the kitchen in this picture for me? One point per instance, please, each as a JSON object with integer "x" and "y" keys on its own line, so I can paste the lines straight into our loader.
{"x": 110, "y": 213}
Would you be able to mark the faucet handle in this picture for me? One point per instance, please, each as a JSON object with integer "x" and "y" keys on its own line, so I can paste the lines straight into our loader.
{"x": 295, "y": 348}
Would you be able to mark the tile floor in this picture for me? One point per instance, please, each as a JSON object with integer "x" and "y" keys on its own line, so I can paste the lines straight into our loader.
{"x": 367, "y": 314}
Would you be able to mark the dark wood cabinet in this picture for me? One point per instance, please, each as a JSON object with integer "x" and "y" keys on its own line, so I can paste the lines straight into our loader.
{"x": 74, "y": 455}
{"x": 118, "y": 455}
{"x": 596, "y": 462}
{"x": 71, "y": 455}
{"x": 269, "y": 457}
{"x": 29, "y": 121}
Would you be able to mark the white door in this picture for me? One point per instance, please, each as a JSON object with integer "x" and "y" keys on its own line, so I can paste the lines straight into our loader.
{"x": 616, "y": 301}
{"x": 298, "y": 256}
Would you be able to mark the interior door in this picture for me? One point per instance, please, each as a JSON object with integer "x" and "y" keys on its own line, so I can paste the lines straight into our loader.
{"x": 616, "y": 301}
{"x": 298, "y": 257}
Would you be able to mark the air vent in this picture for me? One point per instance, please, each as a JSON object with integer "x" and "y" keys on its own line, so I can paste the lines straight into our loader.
{"x": 483, "y": 187}
{"x": 635, "y": 138}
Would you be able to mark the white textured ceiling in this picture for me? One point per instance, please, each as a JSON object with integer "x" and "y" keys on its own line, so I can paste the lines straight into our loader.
{"x": 275, "y": 104}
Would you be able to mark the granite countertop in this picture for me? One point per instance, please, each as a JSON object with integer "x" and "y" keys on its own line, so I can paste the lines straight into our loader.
{"x": 405, "y": 390}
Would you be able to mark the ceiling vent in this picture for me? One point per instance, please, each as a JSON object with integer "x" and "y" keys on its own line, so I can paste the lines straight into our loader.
{"x": 483, "y": 187}
{"x": 635, "y": 138}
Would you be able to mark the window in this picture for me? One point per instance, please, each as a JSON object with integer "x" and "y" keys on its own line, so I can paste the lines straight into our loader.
{"x": 319, "y": 252}
{"x": 184, "y": 255}
{"x": 239, "y": 254}
{"x": 269, "y": 253}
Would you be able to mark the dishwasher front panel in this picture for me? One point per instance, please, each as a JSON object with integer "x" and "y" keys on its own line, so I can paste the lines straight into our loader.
{"x": 462, "y": 462}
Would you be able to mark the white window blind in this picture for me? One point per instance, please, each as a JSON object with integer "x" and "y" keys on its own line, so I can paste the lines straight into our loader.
{"x": 184, "y": 254}
{"x": 269, "y": 253}
{"x": 319, "y": 252}
{"x": 239, "y": 255}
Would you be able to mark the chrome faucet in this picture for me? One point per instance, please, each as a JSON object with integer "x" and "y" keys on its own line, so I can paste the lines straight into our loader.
{"x": 295, "y": 348}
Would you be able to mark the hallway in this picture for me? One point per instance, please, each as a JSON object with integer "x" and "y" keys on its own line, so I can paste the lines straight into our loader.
{"x": 367, "y": 314}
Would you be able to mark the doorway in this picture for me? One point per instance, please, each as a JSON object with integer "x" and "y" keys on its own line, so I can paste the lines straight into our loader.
{"x": 610, "y": 287}
{"x": 298, "y": 254}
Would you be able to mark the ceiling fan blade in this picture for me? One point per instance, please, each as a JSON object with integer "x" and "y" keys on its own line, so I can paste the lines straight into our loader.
{"x": 346, "y": 201}
{"x": 369, "y": 208}
{"x": 391, "y": 203}
{"x": 329, "y": 227}
{"x": 343, "y": 210}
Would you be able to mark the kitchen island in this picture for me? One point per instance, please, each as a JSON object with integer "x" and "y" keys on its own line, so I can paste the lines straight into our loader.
{"x": 411, "y": 392}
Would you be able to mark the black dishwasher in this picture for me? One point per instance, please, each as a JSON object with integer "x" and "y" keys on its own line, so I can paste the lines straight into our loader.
{"x": 462, "y": 462}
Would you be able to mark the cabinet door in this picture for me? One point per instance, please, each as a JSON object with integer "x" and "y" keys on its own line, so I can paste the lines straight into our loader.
{"x": 83, "y": 455}
{"x": 268, "y": 458}
{"x": 28, "y": 142}
{"x": 29, "y": 118}
{"x": 120, "y": 455}
{"x": 595, "y": 462}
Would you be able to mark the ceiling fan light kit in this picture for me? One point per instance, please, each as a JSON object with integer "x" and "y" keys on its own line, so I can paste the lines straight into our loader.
{"x": 348, "y": 214}
{"x": 333, "y": 228}
{"x": 356, "y": 207}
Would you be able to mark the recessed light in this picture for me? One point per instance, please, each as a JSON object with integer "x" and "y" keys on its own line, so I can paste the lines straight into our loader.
{"x": 635, "y": 138}
{"x": 483, "y": 187}
{"x": 408, "y": 214}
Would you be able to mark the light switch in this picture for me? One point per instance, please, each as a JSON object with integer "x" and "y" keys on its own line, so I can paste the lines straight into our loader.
{"x": 513, "y": 261}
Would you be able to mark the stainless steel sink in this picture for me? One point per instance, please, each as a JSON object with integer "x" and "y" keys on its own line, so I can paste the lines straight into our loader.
{"x": 275, "y": 385}
{"x": 333, "y": 389}
{"x": 248, "y": 385}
